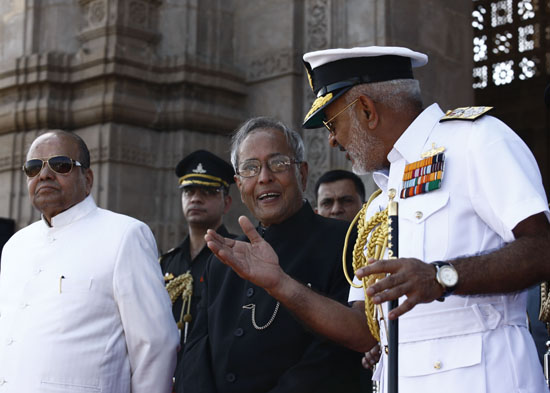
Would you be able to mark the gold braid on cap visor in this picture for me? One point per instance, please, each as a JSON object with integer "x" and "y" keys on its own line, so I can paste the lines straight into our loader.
{"x": 318, "y": 103}
{"x": 377, "y": 227}
{"x": 215, "y": 181}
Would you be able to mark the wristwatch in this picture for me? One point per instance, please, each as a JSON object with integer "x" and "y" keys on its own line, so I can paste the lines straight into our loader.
{"x": 447, "y": 276}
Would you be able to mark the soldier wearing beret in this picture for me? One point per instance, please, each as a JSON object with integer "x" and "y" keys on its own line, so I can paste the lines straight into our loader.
{"x": 204, "y": 180}
{"x": 481, "y": 229}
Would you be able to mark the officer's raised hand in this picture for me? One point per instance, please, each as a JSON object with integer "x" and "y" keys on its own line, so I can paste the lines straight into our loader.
{"x": 255, "y": 261}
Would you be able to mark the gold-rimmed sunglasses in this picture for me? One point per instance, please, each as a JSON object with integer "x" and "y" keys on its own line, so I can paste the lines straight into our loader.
{"x": 328, "y": 124}
{"x": 59, "y": 164}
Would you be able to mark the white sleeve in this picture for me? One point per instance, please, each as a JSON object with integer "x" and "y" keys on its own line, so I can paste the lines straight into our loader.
{"x": 145, "y": 309}
{"x": 503, "y": 177}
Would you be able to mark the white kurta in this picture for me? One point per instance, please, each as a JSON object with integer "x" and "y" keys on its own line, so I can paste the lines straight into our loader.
{"x": 83, "y": 307}
{"x": 491, "y": 182}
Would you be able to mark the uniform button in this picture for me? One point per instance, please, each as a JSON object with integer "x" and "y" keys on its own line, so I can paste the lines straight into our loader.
{"x": 238, "y": 332}
{"x": 437, "y": 365}
{"x": 230, "y": 377}
{"x": 418, "y": 215}
{"x": 250, "y": 292}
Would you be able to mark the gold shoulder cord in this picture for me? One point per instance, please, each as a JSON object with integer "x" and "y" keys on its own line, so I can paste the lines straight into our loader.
{"x": 544, "y": 315}
{"x": 182, "y": 286}
{"x": 376, "y": 247}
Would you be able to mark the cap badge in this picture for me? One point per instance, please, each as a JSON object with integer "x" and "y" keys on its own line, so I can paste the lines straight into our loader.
{"x": 425, "y": 175}
{"x": 199, "y": 169}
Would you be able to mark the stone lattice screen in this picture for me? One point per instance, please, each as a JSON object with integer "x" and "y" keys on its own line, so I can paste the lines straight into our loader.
{"x": 509, "y": 41}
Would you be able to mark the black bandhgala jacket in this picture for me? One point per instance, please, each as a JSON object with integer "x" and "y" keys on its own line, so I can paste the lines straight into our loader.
{"x": 226, "y": 354}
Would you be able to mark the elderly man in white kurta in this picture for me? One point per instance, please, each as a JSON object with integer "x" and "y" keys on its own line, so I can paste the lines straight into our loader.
{"x": 82, "y": 301}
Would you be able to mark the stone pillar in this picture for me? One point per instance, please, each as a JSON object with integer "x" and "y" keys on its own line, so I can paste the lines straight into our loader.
{"x": 140, "y": 106}
{"x": 336, "y": 24}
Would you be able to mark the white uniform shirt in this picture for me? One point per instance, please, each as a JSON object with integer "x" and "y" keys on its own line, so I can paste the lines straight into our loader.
{"x": 491, "y": 182}
{"x": 83, "y": 307}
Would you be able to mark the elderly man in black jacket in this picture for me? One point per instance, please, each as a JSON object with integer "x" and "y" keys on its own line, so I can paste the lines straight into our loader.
{"x": 244, "y": 340}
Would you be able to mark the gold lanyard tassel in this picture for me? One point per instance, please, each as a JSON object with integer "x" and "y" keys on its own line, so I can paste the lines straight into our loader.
{"x": 182, "y": 286}
{"x": 376, "y": 245}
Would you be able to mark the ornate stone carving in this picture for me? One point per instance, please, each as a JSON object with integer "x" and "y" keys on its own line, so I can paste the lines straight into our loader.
{"x": 318, "y": 33}
{"x": 272, "y": 64}
{"x": 317, "y": 156}
{"x": 318, "y": 24}
{"x": 137, "y": 12}
{"x": 135, "y": 19}
{"x": 95, "y": 12}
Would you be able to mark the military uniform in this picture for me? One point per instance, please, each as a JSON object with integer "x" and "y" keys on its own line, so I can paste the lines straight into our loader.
{"x": 491, "y": 182}
{"x": 201, "y": 176}
{"x": 244, "y": 341}
{"x": 178, "y": 261}
{"x": 464, "y": 197}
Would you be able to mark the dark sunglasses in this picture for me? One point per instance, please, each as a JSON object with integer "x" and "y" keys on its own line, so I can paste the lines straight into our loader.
{"x": 58, "y": 164}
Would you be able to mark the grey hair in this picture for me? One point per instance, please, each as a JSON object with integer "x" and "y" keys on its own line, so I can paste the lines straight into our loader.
{"x": 294, "y": 139}
{"x": 401, "y": 95}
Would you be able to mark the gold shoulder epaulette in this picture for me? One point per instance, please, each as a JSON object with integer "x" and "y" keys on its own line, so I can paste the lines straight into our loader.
{"x": 466, "y": 113}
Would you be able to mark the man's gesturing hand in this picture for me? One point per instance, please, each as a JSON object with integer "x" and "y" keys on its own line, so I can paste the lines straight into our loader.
{"x": 408, "y": 276}
{"x": 256, "y": 261}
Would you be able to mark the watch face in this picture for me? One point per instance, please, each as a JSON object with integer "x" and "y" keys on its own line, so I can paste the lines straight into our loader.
{"x": 448, "y": 276}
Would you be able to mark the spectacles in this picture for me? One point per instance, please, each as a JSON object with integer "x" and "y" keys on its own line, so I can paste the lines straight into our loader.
{"x": 59, "y": 164}
{"x": 204, "y": 192}
{"x": 328, "y": 124}
{"x": 275, "y": 164}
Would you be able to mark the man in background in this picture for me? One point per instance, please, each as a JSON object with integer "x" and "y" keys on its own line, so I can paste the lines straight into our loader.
{"x": 204, "y": 180}
{"x": 82, "y": 301}
{"x": 340, "y": 194}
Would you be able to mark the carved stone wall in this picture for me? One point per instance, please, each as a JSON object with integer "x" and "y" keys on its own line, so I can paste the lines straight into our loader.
{"x": 140, "y": 106}
{"x": 329, "y": 25}
{"x": 145, "y": 82}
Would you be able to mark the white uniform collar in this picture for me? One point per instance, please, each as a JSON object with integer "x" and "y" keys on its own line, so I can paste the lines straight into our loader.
{"x": 410, "y": 143}
{"x": 73, "y": 213}
{"x": 381, "y": 178}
